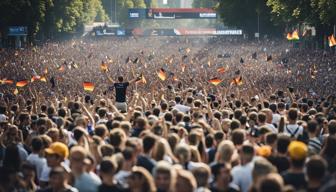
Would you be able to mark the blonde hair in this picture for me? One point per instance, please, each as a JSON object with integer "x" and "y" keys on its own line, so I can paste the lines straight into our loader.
{"x": 188, "y": 178}
{"x": 148, "y": 184}
{"x": 225, "y": 151}
{"x": 195, "y": 155}
{"x": 183, "y": 153}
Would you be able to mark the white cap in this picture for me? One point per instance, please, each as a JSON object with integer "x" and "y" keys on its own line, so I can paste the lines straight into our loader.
{"x": 3, "y": 118}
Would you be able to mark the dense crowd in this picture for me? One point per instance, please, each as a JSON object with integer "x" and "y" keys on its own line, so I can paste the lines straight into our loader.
{"x": 155, "y": 122}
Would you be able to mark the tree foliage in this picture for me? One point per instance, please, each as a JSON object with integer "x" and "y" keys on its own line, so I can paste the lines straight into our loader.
{"x": 204, "y": 3}
{"x": 245, "y": 15}
{"x": 48, "y": 17}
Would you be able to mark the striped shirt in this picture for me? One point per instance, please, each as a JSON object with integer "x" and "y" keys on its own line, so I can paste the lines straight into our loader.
{"x": 314, "y": 145}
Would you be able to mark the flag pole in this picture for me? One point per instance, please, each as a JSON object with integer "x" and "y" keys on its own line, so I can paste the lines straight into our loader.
{"x": 334, "y": 36}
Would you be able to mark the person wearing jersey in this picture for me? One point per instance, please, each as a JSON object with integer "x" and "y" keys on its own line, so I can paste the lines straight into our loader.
{"x": 120, "y": 90}
{"x": 292, "y": 129}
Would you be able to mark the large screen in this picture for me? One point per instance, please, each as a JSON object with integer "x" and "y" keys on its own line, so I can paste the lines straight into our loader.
{"x": 172, "y": 13}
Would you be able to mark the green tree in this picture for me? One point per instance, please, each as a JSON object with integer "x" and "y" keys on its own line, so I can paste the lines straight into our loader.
{"x": 318, "y": 13}
{"x": 246, "y": 14}
{"x": 204, "y": 3}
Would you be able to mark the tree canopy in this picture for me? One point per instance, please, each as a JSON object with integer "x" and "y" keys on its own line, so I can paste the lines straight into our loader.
{"x": 49, "y": 17}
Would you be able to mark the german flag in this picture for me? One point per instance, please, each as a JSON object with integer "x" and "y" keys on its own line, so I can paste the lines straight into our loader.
{"x": 162, "y": 74}
{"x": 88, "y": 86}
{"x": 43, "y": 79}
{"x": 289, "y": 36}
{"x": 61, "y": 68}
{"x": 332, "y": 41}
{"x": 295, "y": 35}
{"x": 22, "y": 83}
{"x": 141, "y": 79}
{"x": 35, "y": 78}
{"x": 237, "y": 80}
{"x": 104, "y": 67}
{"x": 7, "y": 81}
{"x": 221, "y": 70}
{"x": 215, "y": 81}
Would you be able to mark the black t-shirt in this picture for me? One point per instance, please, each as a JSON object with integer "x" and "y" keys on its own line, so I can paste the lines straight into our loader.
{"x": 146, "y": 163}
{"x": 121, "y": 91}
{"x": 281, "y": 163}
{"x": 297, "y": 180}
{"x": 229, "y": 189}
{"x": 68, "y": 189}
{"x": 109, "y": 188}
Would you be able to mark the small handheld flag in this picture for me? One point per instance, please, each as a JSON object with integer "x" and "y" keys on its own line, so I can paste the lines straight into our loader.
{"x": 7, "y": 81}
{"x": 104, "y": 67}
{"x": 162, "y": 74}
{"x": 332, "y": 41}
{"x": 215, "y": 81}
{"x": 61, "y": 68}
{"x": 88, "y": 86}
{"x": 21, "y": 83}
{"x": 237, "y": 80}
{"x": 221, "y": 70}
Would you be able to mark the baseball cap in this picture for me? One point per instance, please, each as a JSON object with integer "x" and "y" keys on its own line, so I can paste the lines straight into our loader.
{"x": 265, "y": 151}
{"x": 297, "y": 150}
{"x": 58, "y": 148}
{"x": 3, "y": 118}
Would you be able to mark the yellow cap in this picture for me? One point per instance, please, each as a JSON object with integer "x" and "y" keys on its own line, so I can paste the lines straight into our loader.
{"x": 265, "y": 151}
{"x": 58, "y": 148}
{"x": 297, "y": 150}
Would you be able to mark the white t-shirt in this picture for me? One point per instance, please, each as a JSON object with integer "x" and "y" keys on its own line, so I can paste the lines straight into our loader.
{"x": 45, "y": 173}
{"x": 272, "y": 128}
{"x": 242, "y": 176}
{"x": 293, "y": 130}
{"x": 38, "y": 162}
{"x": 182, "y": 108}
{"x": 121, "y": 177}
{"x": 276, "y": 119}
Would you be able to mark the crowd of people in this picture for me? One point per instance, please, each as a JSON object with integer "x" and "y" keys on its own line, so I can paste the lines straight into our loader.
{"x": 153, "y": 119}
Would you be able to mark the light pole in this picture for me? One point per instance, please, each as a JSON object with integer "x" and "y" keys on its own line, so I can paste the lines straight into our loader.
{"x": 115, "y": 11}
{"x": 114, "y": 17}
